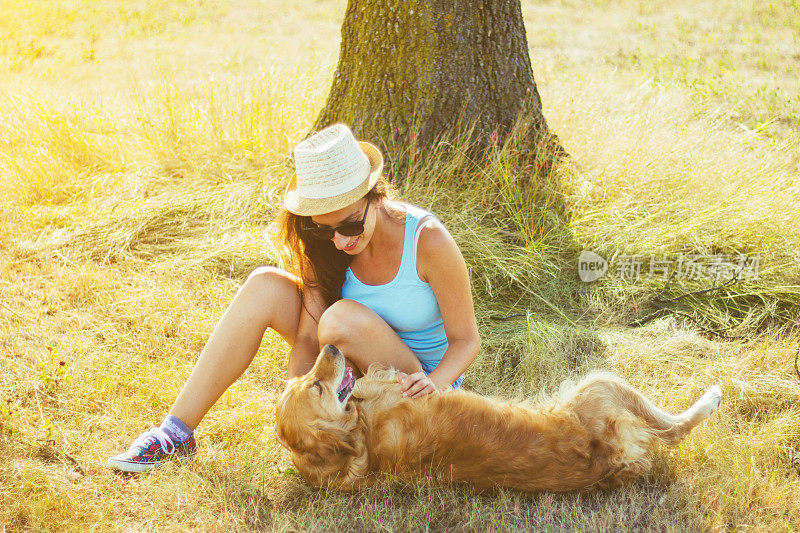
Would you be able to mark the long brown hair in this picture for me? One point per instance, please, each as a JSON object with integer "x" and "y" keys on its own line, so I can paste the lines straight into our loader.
{"x": 318, "y": 262}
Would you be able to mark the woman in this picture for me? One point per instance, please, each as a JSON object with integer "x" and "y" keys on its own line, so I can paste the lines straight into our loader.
{"x": 382, "y": 280}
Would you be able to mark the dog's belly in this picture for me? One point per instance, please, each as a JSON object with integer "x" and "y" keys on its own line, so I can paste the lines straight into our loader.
{"x": 463, "y": 437}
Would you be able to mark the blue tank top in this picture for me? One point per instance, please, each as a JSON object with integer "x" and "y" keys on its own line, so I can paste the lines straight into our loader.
{"x": 406, "y": 303}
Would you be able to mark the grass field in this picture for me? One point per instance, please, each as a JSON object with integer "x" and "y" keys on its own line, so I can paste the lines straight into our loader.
{"x": 142, "y": 158}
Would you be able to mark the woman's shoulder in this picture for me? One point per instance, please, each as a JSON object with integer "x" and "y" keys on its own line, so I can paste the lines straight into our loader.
{"x": 414, "y": 211}
{"x": 430, "y": 232}
{"x": 436, "y": 249}
{"x": 405, "y": 212}
{"x": 431, "y": 235}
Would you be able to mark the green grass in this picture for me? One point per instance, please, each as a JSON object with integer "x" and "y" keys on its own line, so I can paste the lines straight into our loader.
{"x": 143, "y": 155}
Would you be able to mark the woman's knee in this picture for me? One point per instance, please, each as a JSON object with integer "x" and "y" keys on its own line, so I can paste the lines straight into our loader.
{"x": 342, "y": 320}
{"x": 266, "y": 290}
{"x": 268, "y": 280}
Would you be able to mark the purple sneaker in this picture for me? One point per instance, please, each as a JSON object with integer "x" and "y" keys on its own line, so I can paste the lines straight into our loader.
{"x": 151, "y": 449}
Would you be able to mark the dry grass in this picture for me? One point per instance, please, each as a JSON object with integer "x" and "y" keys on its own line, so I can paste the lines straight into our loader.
{"x": 143, "y": 153}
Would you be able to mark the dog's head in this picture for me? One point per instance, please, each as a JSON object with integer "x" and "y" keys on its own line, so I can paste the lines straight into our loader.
{"x": 315, "y": 422}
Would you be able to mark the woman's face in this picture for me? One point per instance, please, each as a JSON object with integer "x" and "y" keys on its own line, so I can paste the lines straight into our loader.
{"x": 352, "y": 213}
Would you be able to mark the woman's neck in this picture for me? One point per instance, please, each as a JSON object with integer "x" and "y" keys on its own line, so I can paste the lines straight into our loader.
{"x": 385, "y": 234}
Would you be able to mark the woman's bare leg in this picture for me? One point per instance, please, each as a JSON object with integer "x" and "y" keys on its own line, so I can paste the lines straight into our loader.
{"x": 364, "y": 337}
{"x": 269, "y": 298}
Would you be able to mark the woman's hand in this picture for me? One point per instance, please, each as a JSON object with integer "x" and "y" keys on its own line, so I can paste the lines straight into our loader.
{"x": 415, "y": 385}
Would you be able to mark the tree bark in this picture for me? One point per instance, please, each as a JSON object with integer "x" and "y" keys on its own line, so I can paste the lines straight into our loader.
{"x": 414, "y": 72}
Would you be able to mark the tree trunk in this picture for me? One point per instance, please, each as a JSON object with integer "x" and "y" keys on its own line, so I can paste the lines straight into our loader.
{"x": 414, "y": 72}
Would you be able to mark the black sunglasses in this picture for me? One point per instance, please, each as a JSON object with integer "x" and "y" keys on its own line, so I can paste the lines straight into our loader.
{"x": 325, "y": 233}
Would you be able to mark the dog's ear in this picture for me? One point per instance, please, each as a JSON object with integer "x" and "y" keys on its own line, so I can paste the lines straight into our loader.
{"x": 281, "y": 440}
{"x": 323, "y": 460}
{"x": 335, "y": 439}
{"x": 326, "y": 442}
{"x": 334, "y": 458}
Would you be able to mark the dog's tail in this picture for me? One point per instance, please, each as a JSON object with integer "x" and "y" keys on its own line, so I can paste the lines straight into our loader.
{"x": 604, "y": 387}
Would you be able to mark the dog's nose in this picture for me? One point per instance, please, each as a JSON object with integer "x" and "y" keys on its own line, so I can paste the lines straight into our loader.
{"x": 331, "y": 350}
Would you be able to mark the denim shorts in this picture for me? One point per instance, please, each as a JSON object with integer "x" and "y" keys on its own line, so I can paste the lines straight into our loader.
{"x": 429, "y": 368}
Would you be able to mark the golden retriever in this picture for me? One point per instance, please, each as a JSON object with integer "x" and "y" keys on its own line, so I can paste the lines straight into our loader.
{"x": 596, "y": 433}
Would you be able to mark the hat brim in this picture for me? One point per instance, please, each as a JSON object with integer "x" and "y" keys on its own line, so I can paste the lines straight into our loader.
{"x": 298, "y": 205}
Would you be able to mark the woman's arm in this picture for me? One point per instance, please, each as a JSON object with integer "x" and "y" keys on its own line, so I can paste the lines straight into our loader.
{"x": 441, "y": 264}
{"x": 306, "y": 347}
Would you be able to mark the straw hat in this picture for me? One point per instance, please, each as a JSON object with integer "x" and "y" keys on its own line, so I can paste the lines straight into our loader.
{"x": 332, "y": 170}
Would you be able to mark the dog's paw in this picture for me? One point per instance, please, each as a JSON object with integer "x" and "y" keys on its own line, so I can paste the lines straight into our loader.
{"x": 710, "y": 401}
